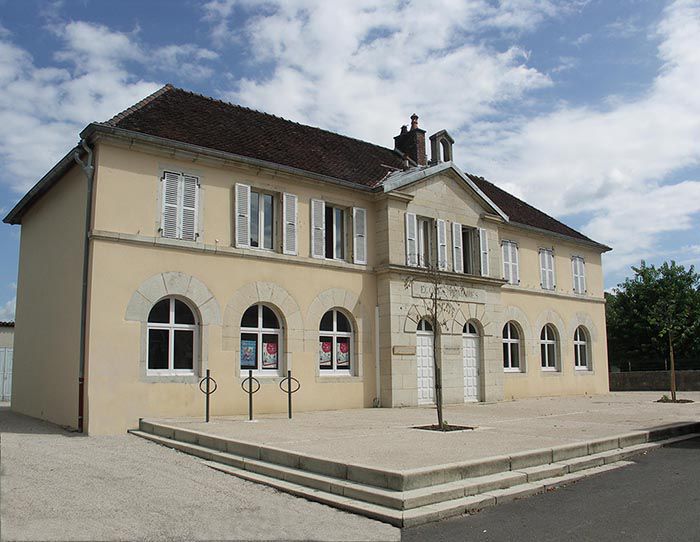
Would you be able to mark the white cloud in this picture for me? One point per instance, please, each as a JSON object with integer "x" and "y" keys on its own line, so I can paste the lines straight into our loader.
{"x": 7, "y": 311}
{"x": 42, "y": 109}
{"x": 363, "y": 67}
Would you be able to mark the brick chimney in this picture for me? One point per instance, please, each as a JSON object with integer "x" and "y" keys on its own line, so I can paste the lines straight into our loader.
{"x": 412, "y": 142}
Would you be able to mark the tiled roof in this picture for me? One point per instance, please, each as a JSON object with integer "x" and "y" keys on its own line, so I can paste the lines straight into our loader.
{"x": 7, "y": 324}
{"x": 519, "y": 211}
{"x": 177, "y": 114}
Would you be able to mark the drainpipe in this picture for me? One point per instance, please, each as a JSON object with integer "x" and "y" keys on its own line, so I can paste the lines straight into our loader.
{"x": 377, "y": 368}
{"x": 89, "y": 170}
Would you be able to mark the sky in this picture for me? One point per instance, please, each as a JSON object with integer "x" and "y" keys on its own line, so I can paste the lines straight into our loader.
{"x": 587, "y": 109}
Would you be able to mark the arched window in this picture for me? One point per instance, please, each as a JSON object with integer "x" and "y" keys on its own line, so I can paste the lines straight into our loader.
{"x": 261, "y": 337}
{"x": 470, "y": 329}
{"x": 335, "y": 343}
{"x": 511, "y": 347}
{"x": 424, "y": 325}
{"x": 172, "y": 338}
{"x": 548, "y": 348}
{"x": 581, "y": 355}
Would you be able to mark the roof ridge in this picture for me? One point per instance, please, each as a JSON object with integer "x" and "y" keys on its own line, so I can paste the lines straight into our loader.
{"x": 239, "y": 106}
{"x": 139, "y": 105}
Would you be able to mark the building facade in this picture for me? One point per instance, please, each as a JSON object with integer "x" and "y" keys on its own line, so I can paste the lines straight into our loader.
{"x": 188, "y": 234}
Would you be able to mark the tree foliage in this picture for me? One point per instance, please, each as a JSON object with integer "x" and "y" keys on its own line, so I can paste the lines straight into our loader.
{"x": 645, "y": 309}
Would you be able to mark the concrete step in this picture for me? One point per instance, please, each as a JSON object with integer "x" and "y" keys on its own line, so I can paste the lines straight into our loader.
{"x": 385, "y": 502}
{"x": 422, "y": 514}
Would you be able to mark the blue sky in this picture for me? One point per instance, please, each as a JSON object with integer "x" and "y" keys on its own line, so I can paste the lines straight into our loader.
{"x": 587, "y": 109}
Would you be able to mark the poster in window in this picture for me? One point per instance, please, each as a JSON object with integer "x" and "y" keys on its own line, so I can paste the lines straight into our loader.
{"x": 269, "y": 354}
{"x": 248, "y": 354}
{"x": 343, "y": 354}
{"x": 325, "y": 353}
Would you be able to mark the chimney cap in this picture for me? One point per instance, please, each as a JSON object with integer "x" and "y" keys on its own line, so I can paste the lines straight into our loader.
{"x": 414, "y": 121}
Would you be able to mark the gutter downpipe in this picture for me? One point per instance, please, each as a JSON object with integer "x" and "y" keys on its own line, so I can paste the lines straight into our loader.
{"x": 89, "y": 170}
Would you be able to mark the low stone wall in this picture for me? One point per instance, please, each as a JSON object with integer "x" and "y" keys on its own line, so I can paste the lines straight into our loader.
{"x": 654, "y": 381}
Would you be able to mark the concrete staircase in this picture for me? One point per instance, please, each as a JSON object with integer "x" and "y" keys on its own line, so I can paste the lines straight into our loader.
{"x": 410, "y": 497}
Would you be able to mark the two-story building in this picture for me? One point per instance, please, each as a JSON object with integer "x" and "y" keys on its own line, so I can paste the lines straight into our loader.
{"x": 188, "y": 234}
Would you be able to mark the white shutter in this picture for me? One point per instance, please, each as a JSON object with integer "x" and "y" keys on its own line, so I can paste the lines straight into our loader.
{"x": 506, "y": 262}
{"x": 484, "y": 249}
{"x": 359, "y": 235}
{"x": 318, "y": 229}
{"x": 242, "y": 206}
{"x": 578, "y": 267}
{"x": 457, "y": 251}
{"x": 411, "y": 240}
{"x": 171, "y": 204}
{"x": 442, "y": 244}
{"x": 514, "y": 265}
{"x": 574, "y": 273}
{"x": 190, "y": 201}
{"x": 582, "y": 274}
{"x": 547, "y": 269}
{"x": 543, "y": 270}
{"x": 552, "y": 278}
{"x": 289, "y": 221}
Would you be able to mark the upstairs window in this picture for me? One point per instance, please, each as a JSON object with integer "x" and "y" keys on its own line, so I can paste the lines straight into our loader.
{"x": 329, "y": 232}
{"x": 511, "y": 266}
{"x": 180, "y": 203}
{"x": 256, "y": 215}
{"x": 260, "y": 340}
{"x": 470, "y": 251}
{"x": 335, "y": 343}
{"x": 548, "y": 348}
{"x": 425, "y": 241}
{"x": 578, "y": 271}
{"x": 547, "y": 277}
{"x": 172, "y": 338}
{"x": 420, "y": 243}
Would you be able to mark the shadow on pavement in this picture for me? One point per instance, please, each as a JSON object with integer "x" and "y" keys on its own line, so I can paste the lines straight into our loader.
{"x": 12, "y": 422}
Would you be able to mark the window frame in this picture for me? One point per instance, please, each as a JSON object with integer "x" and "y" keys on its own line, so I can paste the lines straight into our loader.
{"x": 547, "y": 364}
{"x": 180, "y": 206}
{"x": 335, "y": 335}
{"x": 512, "y": 343}
{"x": 333, "y": 229}
{"x": 171, "y": 327}
{"x": 512, "y": 248}
{"x": 422, "y": 240}
{"x": 578, "y": 279}
{"x": 578, "y": 344}
{"x": 544, "y": 271}
{"x": 260, "y": 194}
{"x": 259, "y": 331}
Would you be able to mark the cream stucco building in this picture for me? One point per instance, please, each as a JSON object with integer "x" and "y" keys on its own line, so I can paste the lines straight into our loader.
{"x": 188, "y": 234}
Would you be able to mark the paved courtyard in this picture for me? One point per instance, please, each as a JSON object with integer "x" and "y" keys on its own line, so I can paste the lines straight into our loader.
{"x": 56, "y": 485}
{"x": 385, "y": 438}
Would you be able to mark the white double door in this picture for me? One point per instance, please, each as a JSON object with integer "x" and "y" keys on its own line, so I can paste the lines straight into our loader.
{"x": 426, "y": 367}
{"x": 470, "y": 355}
{"x": 5, "y": 373}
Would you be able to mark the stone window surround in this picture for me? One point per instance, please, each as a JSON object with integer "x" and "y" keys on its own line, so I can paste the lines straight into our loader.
{"x": 191, "y": 290}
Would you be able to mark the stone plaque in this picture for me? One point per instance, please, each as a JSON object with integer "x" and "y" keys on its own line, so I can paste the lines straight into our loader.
{"x": 404, "y": 350}
{"x": 448, "y": 292}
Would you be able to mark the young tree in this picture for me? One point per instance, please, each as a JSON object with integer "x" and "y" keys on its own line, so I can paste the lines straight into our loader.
{"x": 656, "y": 310}
{"x": 438, "y": 304}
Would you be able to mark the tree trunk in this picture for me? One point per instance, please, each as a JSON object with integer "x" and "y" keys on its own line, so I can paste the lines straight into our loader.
{"x": 673, "y": 368}
{"x": 436, "y": 365}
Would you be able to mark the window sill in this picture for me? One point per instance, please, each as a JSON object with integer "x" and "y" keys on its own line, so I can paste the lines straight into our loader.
{"x": 584, "y": 371}
{"x": 551, "y": 372}
{"x": 514, "y": 371}
{"x": 170, "y": 378}
{"x": 337, "y": 378}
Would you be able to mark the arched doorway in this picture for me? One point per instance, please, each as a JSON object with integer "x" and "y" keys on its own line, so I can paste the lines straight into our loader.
{"x": 425, "y": 363}
{"x": 471, "y": 356}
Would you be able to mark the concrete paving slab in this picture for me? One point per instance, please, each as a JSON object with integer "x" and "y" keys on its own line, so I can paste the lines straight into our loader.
{"x": 386, "y": 438}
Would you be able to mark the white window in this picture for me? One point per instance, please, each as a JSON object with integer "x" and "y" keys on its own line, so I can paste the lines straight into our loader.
{"x": 581, "y": 349}
{"x": 180, "y": 203}
{"x": 484, "y": 250}
{"x": 335, "y": 233}
{"x": 289, "y": 222}
{"x": 335, "y": 344}
{"x": 329, "y": 232}
{"x": 424, "y": 241}
{"x": 548, "y": 348}
{"x": 511, "y": 347}
{"x": 441, "y": 244}
{"x": 411, "y": 240}
{"x": 547, "y": 278}
{"x": 261, "y": 339}
{"x": 172, "y": 338}
{"x": 511, "y": 269}
{"x": 578, "y": 270}
{"x": 256, "y": 216}
{"x": 466, "y": 246}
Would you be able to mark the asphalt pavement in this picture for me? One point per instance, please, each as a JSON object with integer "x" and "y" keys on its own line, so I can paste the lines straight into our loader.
{"x": 656, "y": 499}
